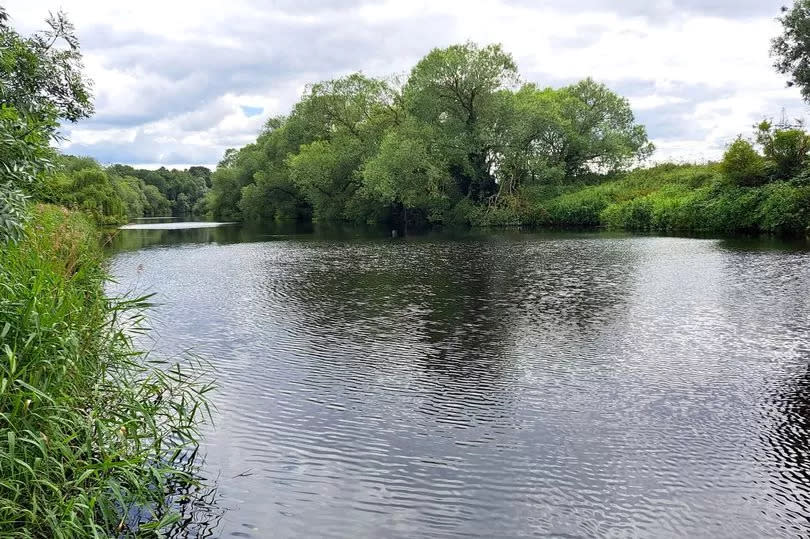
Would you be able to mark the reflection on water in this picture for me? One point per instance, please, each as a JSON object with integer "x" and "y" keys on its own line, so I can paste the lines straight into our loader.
{"x": 173, "y": 226}
{"x": 491, "y": 384}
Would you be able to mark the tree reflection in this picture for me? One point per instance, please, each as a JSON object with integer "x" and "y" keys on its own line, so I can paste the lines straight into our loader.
{"x": 456, "y": 309}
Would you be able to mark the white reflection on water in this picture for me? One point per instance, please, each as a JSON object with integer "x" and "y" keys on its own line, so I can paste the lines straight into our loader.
{"x": 173, "y": 226}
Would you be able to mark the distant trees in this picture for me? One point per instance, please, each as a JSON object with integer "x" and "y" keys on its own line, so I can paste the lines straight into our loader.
{"x": 111, "y": 195}
{"x": 461, "y": 132}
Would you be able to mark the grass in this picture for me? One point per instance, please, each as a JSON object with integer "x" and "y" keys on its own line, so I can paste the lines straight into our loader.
{"x": 665, "y": 198}
{"x": 93, "y": 435}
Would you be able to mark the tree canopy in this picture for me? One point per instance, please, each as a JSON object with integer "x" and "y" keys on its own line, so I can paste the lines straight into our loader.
{"x": 460, "y": 131}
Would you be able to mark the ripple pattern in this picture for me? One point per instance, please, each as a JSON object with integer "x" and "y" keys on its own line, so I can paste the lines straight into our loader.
{"x": 505, "y": 385}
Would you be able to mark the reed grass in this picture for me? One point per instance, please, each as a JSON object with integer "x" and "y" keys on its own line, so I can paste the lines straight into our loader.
{"x": 94, "y": 435}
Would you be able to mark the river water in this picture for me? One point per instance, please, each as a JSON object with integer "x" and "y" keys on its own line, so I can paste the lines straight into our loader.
{"x": 490, "y": 384}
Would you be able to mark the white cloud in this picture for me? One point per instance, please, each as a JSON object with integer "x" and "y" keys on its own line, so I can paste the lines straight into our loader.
{"x": 654, "y": 101}
{"x": 172, "y": 77}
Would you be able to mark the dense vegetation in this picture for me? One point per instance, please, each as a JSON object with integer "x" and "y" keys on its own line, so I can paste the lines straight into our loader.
{"x": 462, "y": 141}
{"x": 93, "y": 437}
{"x": 91, "y": 434}
{"x": 459, "y": 135}
{"x": 119, "y": 193}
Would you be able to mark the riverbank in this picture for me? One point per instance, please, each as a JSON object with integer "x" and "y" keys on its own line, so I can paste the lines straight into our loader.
{"x": 666, "y": 198}
{"x": 92, "y": 433}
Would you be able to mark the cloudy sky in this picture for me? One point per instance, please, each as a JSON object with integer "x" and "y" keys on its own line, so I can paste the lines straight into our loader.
{"x": 178, "y": 82}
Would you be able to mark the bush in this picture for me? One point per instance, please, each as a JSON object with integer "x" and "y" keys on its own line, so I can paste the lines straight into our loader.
{"x": 633, "y": 214}
{"x": 743, "y": 165}
{"x": 785, "y": 209}
{"x": 580, "y": 208}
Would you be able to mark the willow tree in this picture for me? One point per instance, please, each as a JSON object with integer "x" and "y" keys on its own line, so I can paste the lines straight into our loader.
{"x": 556, "y": 135}
{"x": 458, "y": 91}
{"x": 351, "y": 115}
{"x": 41, "y": 84}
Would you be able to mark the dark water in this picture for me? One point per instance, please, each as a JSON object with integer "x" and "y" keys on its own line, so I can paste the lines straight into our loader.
{"x": 492, "y": 385}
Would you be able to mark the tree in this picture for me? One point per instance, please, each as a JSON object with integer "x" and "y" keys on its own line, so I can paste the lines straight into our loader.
{"x": 602, "y": 135}
{"x": 457, "y": 89}
{"x": 41, "y": 82}
{"x": 455, "y": 137}
{"x": 356, "y": 105}
{"x": 201, "y": 172}
{"x": 42, "y": 74}
{"x": 327, "y": 174}
{"x": 92, "y": 191}
{"x": 408, "y": 172}
{"x": 785, "y": 148}
{"x": 792, "y": 48}
{"x": 156, "y": 203}
{"x": 742, "y": 164}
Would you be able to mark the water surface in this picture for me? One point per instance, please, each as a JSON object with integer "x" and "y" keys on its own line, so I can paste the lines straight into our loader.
{"x": 504, "y": 384}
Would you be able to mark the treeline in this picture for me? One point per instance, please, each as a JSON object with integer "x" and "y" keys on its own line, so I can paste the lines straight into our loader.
{"x": 119, "y": 193}
{"x": 460, "y": 136}
{"x": 463, "y": 141}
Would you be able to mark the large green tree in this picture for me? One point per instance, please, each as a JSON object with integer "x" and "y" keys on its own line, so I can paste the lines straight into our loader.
{"x": 458, "y": 91}
{"x": 456, "y": 136}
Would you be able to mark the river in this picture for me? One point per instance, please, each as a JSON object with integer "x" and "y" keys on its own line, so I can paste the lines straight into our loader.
{"x": 490, "y": 384}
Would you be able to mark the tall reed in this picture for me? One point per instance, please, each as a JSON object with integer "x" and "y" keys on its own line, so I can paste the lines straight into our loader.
{"x": 94, "y": 435}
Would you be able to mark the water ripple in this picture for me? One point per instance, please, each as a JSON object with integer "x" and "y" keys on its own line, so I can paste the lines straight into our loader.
{"x": 570, "y": 386}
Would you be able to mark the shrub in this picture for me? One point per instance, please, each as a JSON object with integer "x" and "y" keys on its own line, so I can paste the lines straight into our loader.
{"x": 785, "y": 209}
{"x": 786, "y": 149}
{"x": 580, "y": 208}
{"x": 742, "y": 164}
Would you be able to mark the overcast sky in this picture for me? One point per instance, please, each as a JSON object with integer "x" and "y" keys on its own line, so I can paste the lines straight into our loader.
{"x": 178, "y": 82}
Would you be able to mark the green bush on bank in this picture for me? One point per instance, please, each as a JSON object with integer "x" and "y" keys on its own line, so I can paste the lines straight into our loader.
{"x": 665, "y": 198}
{"x": 91, "y": 435}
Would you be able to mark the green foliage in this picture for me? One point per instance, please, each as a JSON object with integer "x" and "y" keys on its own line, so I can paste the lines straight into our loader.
{"x": 456, "y": 143}
{"x": 671, "y": 198}
{"x": 326, "y": 173}
{"x": 181, "y": 188}
{"x": 581, "y": 208}
{"x": 785, "y": 209}
{"x": 25, "y": 154}
{"x": 119, "y": 193}
{"x": 792, "y": 48}
{"x": 742, "y": 164}
{"x": 43, "y": 73}
{"x": 13, "y": 214}
{"x": 459, "y": 92}
{"x": 786, "y": 149}
{"x": 40, "y": 83}
{"x": 408, "y": 172}
{"x": 91, "y": 434}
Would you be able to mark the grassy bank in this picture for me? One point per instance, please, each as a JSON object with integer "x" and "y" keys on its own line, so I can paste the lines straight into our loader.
{"x": 91, "y": 434}
{"x": 666, "y": 198}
